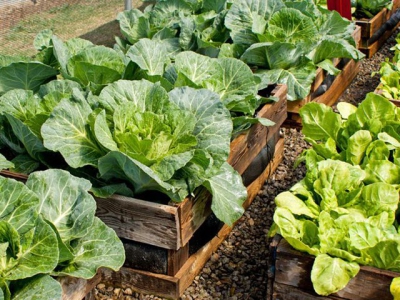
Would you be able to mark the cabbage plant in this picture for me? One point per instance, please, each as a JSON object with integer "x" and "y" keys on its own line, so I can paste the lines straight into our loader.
{"x": 137, "y": 132}
{"x": 48, "y": 229}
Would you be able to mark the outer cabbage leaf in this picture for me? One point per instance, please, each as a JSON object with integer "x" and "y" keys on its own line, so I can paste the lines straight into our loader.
{"x": 330, "y": 275}
{"x": 134, "y": 25}
{"x": 244, "y": 15}
{"x": 116, "y": 164}
{"x": 282, "y": 63}
{"x": 169, "y": 13}
{"x": 25, "y": 75}
{"x": 100, "y": 247}
{"x": 38, "y": 287}
{"x": 213, "y": 127}
{"x": 64, "y": 201}
{"x": 232, "y": 79}
{"x": 291, "y": 26}
{"x": 4, "y": 163}
{"x": 67, "y": 131}
{"x": 38, "y": 253}
{"x": 228, "y": 193}
{"x": 18, "y": 205}
{"x": 150, "y": 55}
{"x": 95, "y": 67}
{"x": 333, "y": 48}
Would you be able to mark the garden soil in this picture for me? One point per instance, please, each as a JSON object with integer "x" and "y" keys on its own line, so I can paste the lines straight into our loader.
{"x": 240, "y": 268}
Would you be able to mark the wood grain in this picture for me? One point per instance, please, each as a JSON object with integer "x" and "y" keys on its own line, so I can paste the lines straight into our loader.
{"x": 245, "y": 147}
{"x": 141, "y": 221}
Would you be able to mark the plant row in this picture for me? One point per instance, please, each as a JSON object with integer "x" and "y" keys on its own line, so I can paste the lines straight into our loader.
{"x": 345, "y": 211}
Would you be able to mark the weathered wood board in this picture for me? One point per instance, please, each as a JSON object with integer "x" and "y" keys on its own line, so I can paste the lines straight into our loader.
{"x": 292, "y": 279}
{"x": 172, "y": 287}
{"x": 375, "y": 31}
{"x": 77, "y": 288}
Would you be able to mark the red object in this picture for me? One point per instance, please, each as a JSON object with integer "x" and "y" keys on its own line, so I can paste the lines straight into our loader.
{"x": 343, "y": 7}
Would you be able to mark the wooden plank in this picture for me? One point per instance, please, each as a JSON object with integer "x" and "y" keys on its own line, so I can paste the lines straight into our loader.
{"x": 293, "y": 269}
{"x": 370, "y": 50}
{"x": 245, "y": 147}
{"x": 176, "y": 259}
{"x": 142, "y": 221}
{"x": 172, "y": 287}
{"x": 142, "y": 282}
{"x": 77, "y": 288}
{"x": 288, "y": 292}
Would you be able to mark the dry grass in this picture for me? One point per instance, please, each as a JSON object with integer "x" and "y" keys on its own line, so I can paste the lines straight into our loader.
{"x": 94, "y": 20}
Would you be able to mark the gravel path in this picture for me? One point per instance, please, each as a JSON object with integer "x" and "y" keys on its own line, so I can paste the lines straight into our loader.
{"x": 239, "y": 269}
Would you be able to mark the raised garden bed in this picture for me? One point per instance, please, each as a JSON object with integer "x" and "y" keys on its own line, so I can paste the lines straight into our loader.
{"x": 326, "y": 88}
{"x": 291, "y": 277}
{"x": 172, "y": 286}
{"x": 375, "y": 31}
{"x": 172, "y": 225}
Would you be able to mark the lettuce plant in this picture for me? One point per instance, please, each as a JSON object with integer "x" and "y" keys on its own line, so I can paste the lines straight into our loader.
{"x": 137, "y": 132}
{"x": 48, "y": 229}
{"x": 390, "y": 74}
{"x": 344, "y": 211}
